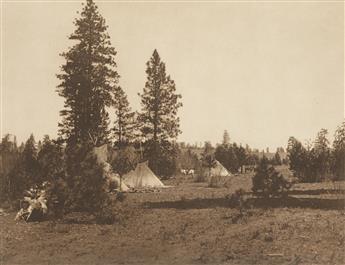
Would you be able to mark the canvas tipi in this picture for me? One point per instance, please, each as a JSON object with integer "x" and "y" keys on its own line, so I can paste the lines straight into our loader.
{"x": 219, "y": 170}
{"x": 141, "y": 177}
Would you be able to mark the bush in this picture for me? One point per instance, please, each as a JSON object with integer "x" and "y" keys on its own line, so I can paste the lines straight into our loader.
{"x": 267, "y": 182}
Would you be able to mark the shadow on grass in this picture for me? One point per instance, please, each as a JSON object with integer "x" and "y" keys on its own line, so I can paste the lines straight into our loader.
{"x": 292, "y": 202}
{"x": 289, "y": 202}
{"x": 316, "y": 192}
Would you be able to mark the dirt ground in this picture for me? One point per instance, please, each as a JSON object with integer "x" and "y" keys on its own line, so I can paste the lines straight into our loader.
{"x": 190, "y": 223}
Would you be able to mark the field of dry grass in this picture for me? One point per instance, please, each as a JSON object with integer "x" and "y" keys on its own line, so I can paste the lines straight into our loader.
{"x": 191, "y": 223}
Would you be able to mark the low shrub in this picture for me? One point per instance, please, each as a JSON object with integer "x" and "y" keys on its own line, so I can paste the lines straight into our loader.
{"x": 267, "y": 182}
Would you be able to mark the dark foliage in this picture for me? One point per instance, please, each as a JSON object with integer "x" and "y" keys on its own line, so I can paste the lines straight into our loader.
{"x": 318, "y": 162}
{"x": 158, "y": 118}
{"x": 20, "y": 170}
{"x": 160, "y": 103}
{"x": 9, "y": 156}
{"x": 85, "y": 179}
{"x": 163, "y": 157}
{"x": 29, "y": 162}
{"x": 338, "y": 154}
{"x": 88, "y": 80}
{"x": 267, "y": 182}
{"x": 50, "y": 160}
{"x": 124, "y": 124}
{"x": 232, "y": 156}
{"x": 57, "y": 194}
{"x": 125, "y": 160}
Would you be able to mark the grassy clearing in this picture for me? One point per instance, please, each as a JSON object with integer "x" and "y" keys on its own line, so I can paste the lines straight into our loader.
{"x": 189, "y": 223}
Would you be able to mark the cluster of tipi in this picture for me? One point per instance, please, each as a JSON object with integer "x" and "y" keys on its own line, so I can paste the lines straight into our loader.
{"x": 142, "y": 176}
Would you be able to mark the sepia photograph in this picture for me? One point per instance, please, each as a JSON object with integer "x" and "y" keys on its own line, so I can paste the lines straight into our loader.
{"x": 172, "y": 132}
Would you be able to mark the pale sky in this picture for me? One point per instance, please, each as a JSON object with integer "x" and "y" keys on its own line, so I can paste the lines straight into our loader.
{"x": 262, "y": 71}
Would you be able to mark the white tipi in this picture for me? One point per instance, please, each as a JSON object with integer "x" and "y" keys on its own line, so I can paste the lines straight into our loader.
{"x": 141, "y": 177}
{"x": 219, "y": 170}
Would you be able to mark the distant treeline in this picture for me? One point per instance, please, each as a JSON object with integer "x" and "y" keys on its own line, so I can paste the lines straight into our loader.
{"x": 234, "y": 157}
{"x": 312, "y": 162}
{"x": 319, "y": 160}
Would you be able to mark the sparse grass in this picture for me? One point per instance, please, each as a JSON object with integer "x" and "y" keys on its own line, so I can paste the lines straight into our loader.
{"x": 199, "y": 232}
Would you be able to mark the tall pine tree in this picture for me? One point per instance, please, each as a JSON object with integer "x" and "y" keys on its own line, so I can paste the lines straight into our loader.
{"x": 158, "y": 118}
{"x": 88, "y": 80}
{"x": 159, "y": 102}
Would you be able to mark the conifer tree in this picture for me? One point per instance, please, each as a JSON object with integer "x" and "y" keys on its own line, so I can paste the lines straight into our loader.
{"x": 124, "y": 124}
{"x": 226, "y": 138}
{"x": 277, "y": 159}
{"x": 321, "y": 154}
{"x": 241, "y": 156}
{"x": 267, "y": 182}
{"x": 27, "y": 170}
{"x": 159, "y": 102}
{"x": 158, "y": 119}
{"x": 88, "y": 79}
{"x": 29, "y": 157}
{"x": 297, "y": 155}
{"x": 339, "y": 152}
{"x": 9, "y": 156}
{"x": 50, "y": 159}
